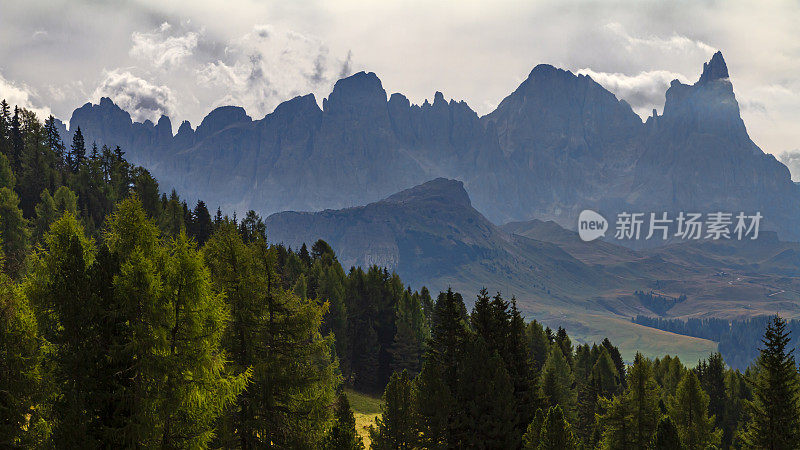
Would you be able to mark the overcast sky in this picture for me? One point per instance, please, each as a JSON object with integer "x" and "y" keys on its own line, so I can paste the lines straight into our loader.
{"x": 183, "y": 58}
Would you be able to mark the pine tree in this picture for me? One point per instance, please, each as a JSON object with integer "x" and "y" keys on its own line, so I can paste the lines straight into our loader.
{"x": 556, "y": 382}
{"x": 277, "y": 334}
{"x": 22, "y": 424}
{"x": 395, "y": 427}
{"x": 538, "y": 344}
{"x": 17, "y": 142}
{"x": 448, "y": 334}
{"x": 201, "y": 223}
{"x": 305, "y": 257}
{"x": 556, "y": 433}
{"x": 617, "y": 358}
{"x": 343, "y": 435}
{"x": 77, "y": 152}
{"x": 630, "y": 419}
{"x": 530, "y": 441}
{"x": 13, "y": 231}
{"x": 45, "y": 215}
{"x": 7, "y": 178}
{"x": 643, "y": 394}
{"x": 689, "y": 411}
{"x": 65, "y": 201}
{"x": 775, "y": 416}
{"x": 666, "y": 437}
{"x": 5, "y": 129}
{"x": 520, "y": 368}
{"x": 484, "y": 413}
{"x": 433, "y": 407}
{"x": 711, "y": 374}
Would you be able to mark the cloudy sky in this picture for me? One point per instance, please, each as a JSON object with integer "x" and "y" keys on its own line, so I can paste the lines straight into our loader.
{"x": 183, "y": 58}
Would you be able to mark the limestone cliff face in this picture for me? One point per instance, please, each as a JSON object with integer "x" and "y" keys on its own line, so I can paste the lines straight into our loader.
{"x": 558, "y": 144}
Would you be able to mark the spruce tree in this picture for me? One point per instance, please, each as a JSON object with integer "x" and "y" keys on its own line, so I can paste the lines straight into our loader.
{"x": 22, "y": 386}
{"x": 277, "y": 334}
{"x": 433, "y": 407}
{"x": 343, "y": 435}
{"x": 630, "y": 419}
{"x": 666, "y": 437}
{"x": 448, "y": 335}
{"x": 5, "y": 128}
{"x": 774, "y": 412}
{"x": 77, "y": 151}
{"x": 394, "y": 429}
{"x": 484, "y": 414}
{"x": 530, "y": 440}
{"x": 7, "y": 178}
{"x": 711, "y": 373}
{"x": 13, "y": 231}
{"x": 45, "y": 215}
{"x": 557, "y": 381}
{"x": 689, "y": 412}
{"x": 642, "y": 395}
{"x": 556, "y": 432}
{"x": 201, "y": 223}
{"x": 17, "y": 142}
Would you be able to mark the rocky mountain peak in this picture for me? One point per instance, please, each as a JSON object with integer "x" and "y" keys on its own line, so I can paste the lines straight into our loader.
{"x": 221, "y": 118}
{"x": 715, "y": 69}
{"x": 360, "y": 89}
{"x": 440, "y": 190}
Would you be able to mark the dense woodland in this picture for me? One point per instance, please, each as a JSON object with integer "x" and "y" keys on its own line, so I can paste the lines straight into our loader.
{"x": 129, "y": 319}
{"x": 739, "y": 339}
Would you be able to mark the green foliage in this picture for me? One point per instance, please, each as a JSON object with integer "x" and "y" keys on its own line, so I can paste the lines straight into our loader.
{"x": 395, "y": 427}
{"x": 689, "y": 411}
{"x": 137, "y": 332}
{"x": 630, "y": 419}
{"x": 276, "y": 334}
{"x": 556, "y": 433}
{"x": 22, "y": 419}
{"x": 557, "y": 382}
{"x": 666, "y": 437}
{"x": 13, "y": 231}
{"x": 433, "y": 407}
{"x": 775, "y": 416}
{"x": 484, "y": 413}
{"x": 342, "y": 435}
{"x": 7, "y": 178}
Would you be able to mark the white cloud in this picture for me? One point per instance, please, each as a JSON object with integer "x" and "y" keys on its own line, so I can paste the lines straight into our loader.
{"x": 792, "y": 161}
{"x": 673, "y": 43}
{"x": 22, "y": 95}
{"x": 142, "y": 99}
{"x": 643, "y": 91}
{"x": 161, "y": 49}
{"x": 268, "y": 65}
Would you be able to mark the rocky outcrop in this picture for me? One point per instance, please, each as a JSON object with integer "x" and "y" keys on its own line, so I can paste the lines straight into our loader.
{"x": 558, "y": 144}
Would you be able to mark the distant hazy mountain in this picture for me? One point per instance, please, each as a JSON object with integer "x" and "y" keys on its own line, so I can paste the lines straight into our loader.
{"x": 431, "y": 235}
{"x": 558, "y": 144}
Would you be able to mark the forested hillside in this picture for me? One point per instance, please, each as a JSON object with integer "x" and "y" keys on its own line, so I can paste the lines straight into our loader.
{"x": 130, "y": 320}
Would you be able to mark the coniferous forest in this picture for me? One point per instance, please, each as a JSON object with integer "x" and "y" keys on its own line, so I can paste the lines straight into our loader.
{"x": 129, "y": 319}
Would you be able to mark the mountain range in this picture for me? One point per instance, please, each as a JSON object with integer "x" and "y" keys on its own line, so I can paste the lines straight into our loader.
{"x": 558, "y": 144}
{"x": 432, "y": 235}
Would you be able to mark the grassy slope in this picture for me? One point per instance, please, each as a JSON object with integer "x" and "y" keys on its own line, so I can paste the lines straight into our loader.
{"x": 365, "y": 408}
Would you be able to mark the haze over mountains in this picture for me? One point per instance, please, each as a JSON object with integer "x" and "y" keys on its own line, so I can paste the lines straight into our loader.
{"x": 558, "y": 144}
{"x": 432, "y": 235}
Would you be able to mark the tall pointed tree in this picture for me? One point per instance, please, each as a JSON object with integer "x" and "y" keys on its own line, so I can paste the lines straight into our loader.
{"x": 394, "y": 428}
{"x": 77, "y": 151}
{"x": 689, "y": 412}
{"x": 343, "y": 435}
{"x": 774, "y": 411}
